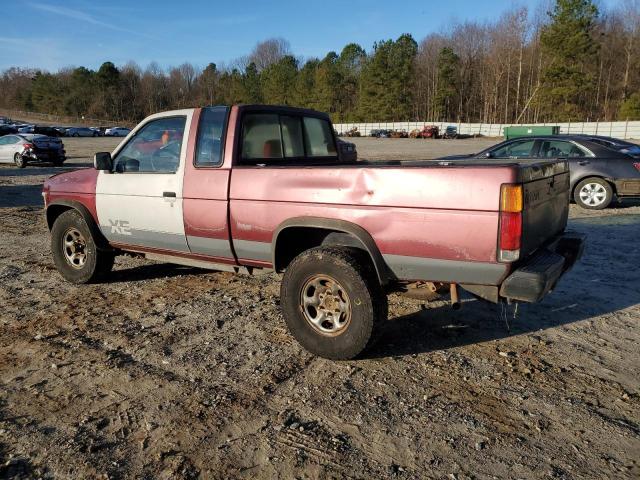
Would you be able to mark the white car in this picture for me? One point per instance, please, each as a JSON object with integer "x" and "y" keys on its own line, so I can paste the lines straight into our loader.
{"x": 26, "y": 129}
{"x": 117, "y": 132}
{"x": 29, "y": 148}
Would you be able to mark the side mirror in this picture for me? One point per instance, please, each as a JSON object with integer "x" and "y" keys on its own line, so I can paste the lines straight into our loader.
{"x": 102, "y": 161}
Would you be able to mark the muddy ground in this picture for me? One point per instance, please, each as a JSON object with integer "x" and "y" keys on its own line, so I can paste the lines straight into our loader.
{"x": 174, "y": 372}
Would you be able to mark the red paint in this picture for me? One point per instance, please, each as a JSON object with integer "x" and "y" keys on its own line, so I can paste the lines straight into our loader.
{"x": 205, "y": 193}
{"x": 192, "y": 256}
{"x": 78, "y": 185}
{"x": 440, "y": 212}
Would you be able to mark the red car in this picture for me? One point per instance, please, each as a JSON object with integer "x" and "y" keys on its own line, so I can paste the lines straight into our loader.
{"x": 256, "y": 188}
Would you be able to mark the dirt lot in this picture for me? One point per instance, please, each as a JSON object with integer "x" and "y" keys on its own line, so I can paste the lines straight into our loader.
{"x": 173, "y": 372}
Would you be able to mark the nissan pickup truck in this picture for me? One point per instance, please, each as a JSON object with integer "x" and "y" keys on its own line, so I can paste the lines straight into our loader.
{"x": 259, "y": 188}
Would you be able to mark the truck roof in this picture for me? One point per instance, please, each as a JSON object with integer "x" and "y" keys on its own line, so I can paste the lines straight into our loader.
{"x": 257, "y": 107}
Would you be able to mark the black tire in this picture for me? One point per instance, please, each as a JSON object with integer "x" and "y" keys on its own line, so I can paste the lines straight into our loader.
{"x": 58, "y": 163}
{"x": 602, "y": 193}
{"x": 75, "y": 135}
{"x": 356, "y": 276}
{"x": 19, "y": 161}
{"x": 97, "y": 262}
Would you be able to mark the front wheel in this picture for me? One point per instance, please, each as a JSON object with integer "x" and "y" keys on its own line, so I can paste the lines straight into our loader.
{"x": 593, "y": 193}
{"x": 19, "y": 161}
{"x": 332, "y": 302}
{"x": 74, "y": 250}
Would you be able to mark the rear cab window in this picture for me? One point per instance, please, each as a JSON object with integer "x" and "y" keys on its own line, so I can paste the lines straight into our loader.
{"x": 286, "y": 139}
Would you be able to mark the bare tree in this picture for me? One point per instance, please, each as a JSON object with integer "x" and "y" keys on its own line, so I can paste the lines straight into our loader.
{"x": 268, "y": 52}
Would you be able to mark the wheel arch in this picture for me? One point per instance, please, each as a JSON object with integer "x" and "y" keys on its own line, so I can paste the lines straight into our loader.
{"x": 296, "y": 235}
{"x": 58, "y": 207}
{"x": 587, "y": 176}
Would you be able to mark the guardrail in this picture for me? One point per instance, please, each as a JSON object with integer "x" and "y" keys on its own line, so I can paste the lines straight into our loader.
{"x": 35, "y": 117}
{"x": 624, "y": 129}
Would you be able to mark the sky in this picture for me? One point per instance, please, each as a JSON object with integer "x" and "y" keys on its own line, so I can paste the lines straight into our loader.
{"x": 52, "y": 34}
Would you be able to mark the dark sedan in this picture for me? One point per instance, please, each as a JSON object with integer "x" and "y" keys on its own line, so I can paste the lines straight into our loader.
{"x": 601, "y": 167}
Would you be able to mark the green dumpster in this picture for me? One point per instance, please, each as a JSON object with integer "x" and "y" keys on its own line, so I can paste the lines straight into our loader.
{"x": 526, "y": 131}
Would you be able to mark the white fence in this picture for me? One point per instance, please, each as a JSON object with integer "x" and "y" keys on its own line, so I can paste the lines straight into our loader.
{"x": 610, "y": 129}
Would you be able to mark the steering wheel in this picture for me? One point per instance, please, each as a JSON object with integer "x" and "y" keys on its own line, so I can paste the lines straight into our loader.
{"x": 167, "y": 157}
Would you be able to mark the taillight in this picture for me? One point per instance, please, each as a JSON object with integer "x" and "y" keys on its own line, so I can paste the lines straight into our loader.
{"x": 511, "y": 202}
{"x": 27, "y": 146}
{"x": 637, "y": 165}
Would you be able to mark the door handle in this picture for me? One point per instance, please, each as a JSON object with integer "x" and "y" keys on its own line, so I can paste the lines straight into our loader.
{"x": 169, "y": 194}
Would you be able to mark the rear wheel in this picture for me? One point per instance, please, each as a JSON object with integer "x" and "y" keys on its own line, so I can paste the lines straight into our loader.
{"x": 593, "y": 193}
{"x": 332, "y": 302}
{"x": 74, "y": 250}
{"x": 19, "y": 161}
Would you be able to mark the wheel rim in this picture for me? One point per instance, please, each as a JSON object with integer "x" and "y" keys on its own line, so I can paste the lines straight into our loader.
{"x": 18, "y": 159}
{"x": 593, "y": 194}
{"x": 74, "y": 247}
{"x": 325, "y": 305}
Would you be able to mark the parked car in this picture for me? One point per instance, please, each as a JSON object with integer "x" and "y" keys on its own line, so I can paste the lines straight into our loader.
{"x": 381, "y": 133}
{"x": 600, "y": 172}
{"x": 346, "y": 150}
{"x": 26, "y": 129}
{"x": 450, "y": 132}
{"x": 352, "y": 132}
{"x": 48, "y": 131}
{"x": 62, "y": 130}
{"x": 399, "y": 134}
{"x": 279, "y": 197}
{"x": 7, "y": 129}
{"x": 81, "y": 132}
{"x": 428, "y": 131}
{"x": 98, "y": 132}
{"x": 31, "y": 148}
{"x": 117, "y": 132}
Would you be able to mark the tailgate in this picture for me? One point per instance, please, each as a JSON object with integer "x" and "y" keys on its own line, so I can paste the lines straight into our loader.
{"x": 546, "y": 195}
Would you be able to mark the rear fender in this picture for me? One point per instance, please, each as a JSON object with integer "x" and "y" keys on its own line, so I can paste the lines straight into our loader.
{"x": 335, "y": 233}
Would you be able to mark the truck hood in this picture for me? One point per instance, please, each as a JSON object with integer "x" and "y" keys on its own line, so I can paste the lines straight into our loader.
{"x": 76, "y": 181}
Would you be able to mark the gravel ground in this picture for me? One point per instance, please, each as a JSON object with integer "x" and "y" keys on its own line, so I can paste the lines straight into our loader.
{"x": 174, "y": 372}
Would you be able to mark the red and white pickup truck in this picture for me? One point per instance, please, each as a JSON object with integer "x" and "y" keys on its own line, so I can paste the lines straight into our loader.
{"x": 251, "y": 188}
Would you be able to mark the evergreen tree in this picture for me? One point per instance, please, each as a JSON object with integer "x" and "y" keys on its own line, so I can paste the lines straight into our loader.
{"x": 447, "y": 89}
{"x": 570, "y": 50}
{"x": 278, "y": 81}
{"x": 251, "y": 83}
{"x": 630, "y": 109}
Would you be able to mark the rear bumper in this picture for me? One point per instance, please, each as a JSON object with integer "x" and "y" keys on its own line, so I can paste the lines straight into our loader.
{"x": 539, "y": 275}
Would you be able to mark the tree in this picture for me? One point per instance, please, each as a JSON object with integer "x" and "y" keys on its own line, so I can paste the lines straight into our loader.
{"x": 268, "y": 52}
{"x": 630, "y": 109}
{"x": 278, "y": 81}
{"x": 386, "y": 80}
{"x": 251, "y": 82}
{"x": 570, "y": 49}
{"x": 447, "y": 84}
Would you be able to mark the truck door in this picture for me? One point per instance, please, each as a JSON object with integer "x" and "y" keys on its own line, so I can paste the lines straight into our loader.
{"x": 139, "y": 203}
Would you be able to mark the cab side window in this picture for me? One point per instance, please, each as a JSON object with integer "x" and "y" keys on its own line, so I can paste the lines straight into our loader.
{"x": 155, "y": 148}
{"x": 517, "y": 149}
